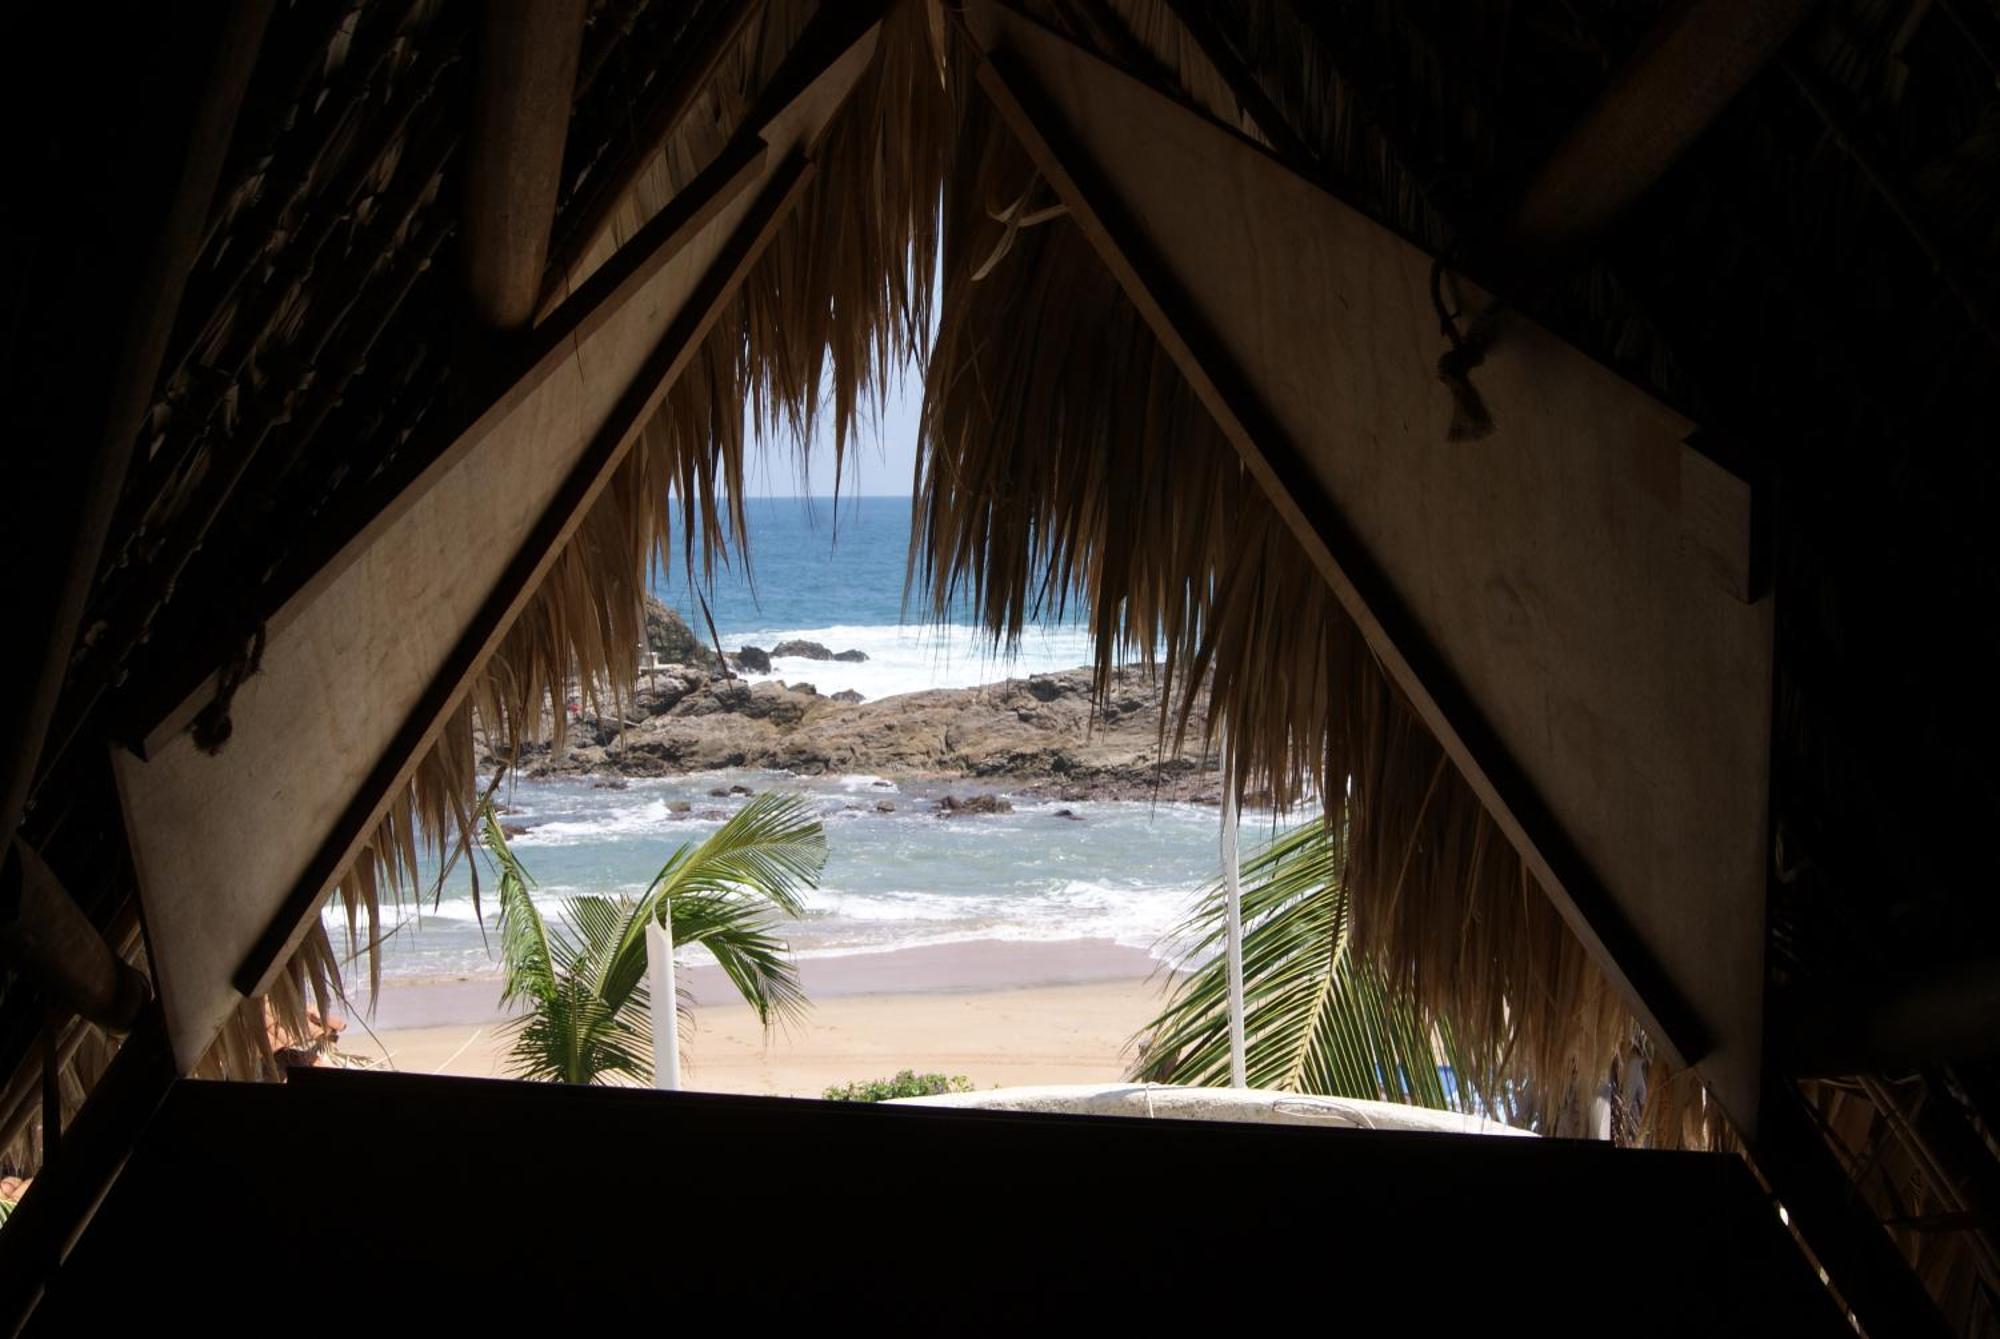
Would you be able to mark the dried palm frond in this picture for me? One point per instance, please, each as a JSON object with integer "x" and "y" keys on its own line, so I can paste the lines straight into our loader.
{"x": 1885, "y": 1133}
{"x": 83, "y": 1052}
{"x": 1065, "y": 459}
{"x": 839, "y": 301}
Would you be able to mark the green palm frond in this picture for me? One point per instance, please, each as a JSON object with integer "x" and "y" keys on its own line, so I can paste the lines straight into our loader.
{"x": 742, "y": 936}
{"x": 773, "y": 848}
{"x": 585, "y": 981}
{"x": 524, "y": 939}
{"x": 1317, "y": 1018}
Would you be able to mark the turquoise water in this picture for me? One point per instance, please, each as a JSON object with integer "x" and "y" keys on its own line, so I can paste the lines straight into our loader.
{"x": 895, "y": 879}
{"x": 1113, "y": 870}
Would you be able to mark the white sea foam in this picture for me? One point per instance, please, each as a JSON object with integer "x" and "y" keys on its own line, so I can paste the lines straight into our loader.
{"x": 1133, "y": 915}
{"x": 858, "y": 782}
{"x": 1122, "y": 871}
{"x": 911, "y": 658}
{"x": 617, "y": 819}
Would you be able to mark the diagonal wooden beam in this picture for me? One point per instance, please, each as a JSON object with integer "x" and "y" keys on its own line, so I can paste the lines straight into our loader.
{"x": 1687, "y": 70}
{"x": 526, "y": 80}
{"x": 517, "y": 586}
{"x": 1566, "y": 606}
{"x": 375, "y": 649}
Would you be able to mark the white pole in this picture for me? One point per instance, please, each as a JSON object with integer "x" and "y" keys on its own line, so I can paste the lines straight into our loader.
{"x": 1232, "y": 883}
{"x": 666, "y": 1014}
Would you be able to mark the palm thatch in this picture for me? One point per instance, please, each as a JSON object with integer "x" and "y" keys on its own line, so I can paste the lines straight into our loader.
{"x": 1063, "y": 458}
{"x": 1067, "y": 460}
{"x": 839, "y": 300}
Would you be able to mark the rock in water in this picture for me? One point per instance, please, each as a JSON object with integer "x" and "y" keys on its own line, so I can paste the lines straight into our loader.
{"x": 951, "y": 806}
{"x": 670, "y": 640}
{"x": 802, "y": 650}
{"x": 1042, "y": 736}
{"x": 851, "y": 657}
{"x": 848, "y": 695}
{"x": 754, "y": 659}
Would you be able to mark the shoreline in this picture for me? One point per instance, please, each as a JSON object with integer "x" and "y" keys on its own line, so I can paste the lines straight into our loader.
{"x": 999, "y": 1012}
{"x": 972, "y": 966}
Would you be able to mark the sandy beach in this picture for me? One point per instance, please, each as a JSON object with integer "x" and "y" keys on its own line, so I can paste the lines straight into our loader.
{"x": 997, "y": 1012}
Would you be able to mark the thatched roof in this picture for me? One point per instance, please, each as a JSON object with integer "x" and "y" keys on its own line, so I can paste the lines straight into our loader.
{"x": 1813, "y": 280}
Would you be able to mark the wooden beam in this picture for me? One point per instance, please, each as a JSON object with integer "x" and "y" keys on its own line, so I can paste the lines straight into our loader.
{"x": 47, "y": 936}
{"x": 1689, "y": 68}
{"x": 1533, "y": 595}
{"x": 1947, "y": 1015}
{"x": 526, "y": 79}
{"x": 236, "y": 852}
{"x": 58, "y": 1206}
{"x": 1827, "y": 1210}
{"x": 517, "y": 586}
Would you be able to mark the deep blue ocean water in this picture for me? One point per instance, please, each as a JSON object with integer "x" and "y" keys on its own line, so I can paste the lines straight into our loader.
{"x": 813, "y": 562}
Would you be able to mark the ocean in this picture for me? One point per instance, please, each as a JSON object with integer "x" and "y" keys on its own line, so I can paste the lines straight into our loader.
{"x": 834, "y": 575}
{"x": 895, "y": 878}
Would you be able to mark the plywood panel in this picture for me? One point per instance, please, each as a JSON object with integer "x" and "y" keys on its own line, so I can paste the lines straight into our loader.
{"x": 1570, "y": 623}
{"x": 236, "y": 850}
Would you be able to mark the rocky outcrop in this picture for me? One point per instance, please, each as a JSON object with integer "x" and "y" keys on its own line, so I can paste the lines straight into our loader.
{"x": 951, "y": 806}
{"x": 799, "y": 649}
{"x": 1040, "y": 735}
{"x": 752, "y": 659}
{"x": 671, "y": 641}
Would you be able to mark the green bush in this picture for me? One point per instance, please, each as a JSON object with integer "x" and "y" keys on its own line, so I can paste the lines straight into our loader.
{"x": 909, "y": 1083}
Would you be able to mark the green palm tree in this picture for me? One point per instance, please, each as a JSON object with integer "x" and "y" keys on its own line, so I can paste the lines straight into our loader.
{"x": 1317, "y": 1017}
{"x": 583, "y": 979}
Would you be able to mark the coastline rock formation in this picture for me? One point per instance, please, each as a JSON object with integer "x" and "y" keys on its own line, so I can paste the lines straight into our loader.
{"x": 804, "y": 650}
{"x": 1040, "y": 735}
{"x": 671, "y": 641}
{"x": 951, "y": 806}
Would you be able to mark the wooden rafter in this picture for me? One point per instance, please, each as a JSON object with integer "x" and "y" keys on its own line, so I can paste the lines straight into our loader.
{"x": 1695, "y": 61}
{"x": 384, "y": 636}
{"x": 526, "y": 78}
{"x": 1152, "y": 186}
